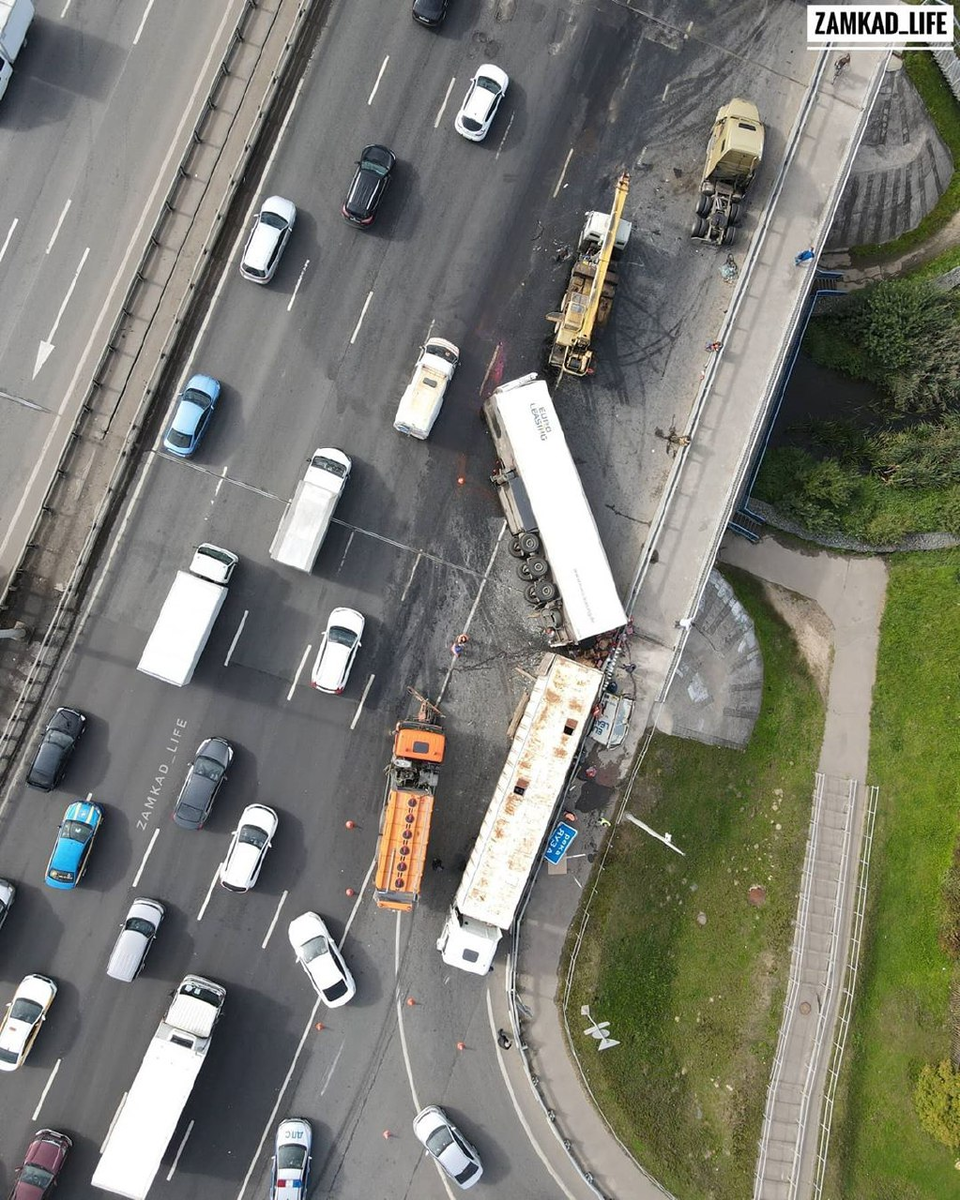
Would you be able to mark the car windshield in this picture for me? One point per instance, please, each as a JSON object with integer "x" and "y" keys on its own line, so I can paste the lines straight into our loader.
{"x": 207, "y": 768}
{"x": 25, "y": 1010}
{"x": 75, "y": 831}
{"x": 376, "y": 167}
{"x": 194, "y": 396}
{"x": 139, "y": 925}
{"x": 488, "y": 84}
{"x": 56, "y": 737}
{"x": 250, "y": 835}
{"x": 314, "y": 948}
{"x": 342, "y": 637}
{"x": 439, "y": 1140}
{"x": 291, "y": 1158}
{"x": 273, "y": 220}
{"x": 36, "y": 1176}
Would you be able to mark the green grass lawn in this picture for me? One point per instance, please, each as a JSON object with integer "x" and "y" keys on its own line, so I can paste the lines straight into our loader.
{"x": 901, "y": 1019}
{"x": 697, "y": 1008}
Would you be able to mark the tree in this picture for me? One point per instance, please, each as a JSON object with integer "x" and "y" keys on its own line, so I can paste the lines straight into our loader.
{"x": 937, "y": 1102}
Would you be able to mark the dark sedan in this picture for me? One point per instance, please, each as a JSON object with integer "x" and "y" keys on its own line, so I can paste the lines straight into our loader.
{"x": 429, "y": 12}
{"x": 205, "y": 777}
{"x": 42, "y": 1165}
{"x": 56, "y": 747}
{"x": 370, "y": 182}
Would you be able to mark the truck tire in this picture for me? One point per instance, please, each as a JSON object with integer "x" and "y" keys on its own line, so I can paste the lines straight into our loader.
{"x": 733, "y": 216}
{"x": 515, "y": 548}
{"x": 704, "y": 204}
{"x": 538, "y": 567}
{"x": 523, "y": 570}
{"x": 546, "y": 591}
{"x": 530, "y": 543}
{"x": 708, "y": 189}
{"x": 530, "y": 593}
{"x": 729, "y": 236}
{"x": 698, "y": 228}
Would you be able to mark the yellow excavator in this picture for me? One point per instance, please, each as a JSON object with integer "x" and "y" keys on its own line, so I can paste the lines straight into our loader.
{"x": 593, "y": 281}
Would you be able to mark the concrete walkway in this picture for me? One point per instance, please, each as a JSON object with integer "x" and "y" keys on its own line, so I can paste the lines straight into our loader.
{"x": 851, "y": 591}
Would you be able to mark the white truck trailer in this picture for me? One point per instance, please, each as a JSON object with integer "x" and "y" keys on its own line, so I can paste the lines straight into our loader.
{"x": 150, "y": 1111}
{"x": 307, "y": 516}
{"x": 555, "y": 538}
{"x": 557, "y": 716}
{"x": 15, "y": 18}
{"x": 188, "y": 614}
{"x": 421, "y": 401}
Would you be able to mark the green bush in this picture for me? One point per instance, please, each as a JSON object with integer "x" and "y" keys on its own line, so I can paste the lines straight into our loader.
{"x": 937, "y": 1101}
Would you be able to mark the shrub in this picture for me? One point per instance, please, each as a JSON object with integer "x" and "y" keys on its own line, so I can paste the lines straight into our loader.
{"x": 937, "y": 1102}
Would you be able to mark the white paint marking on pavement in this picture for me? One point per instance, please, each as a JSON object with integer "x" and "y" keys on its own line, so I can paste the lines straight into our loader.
{"x": 297, "y": 284}
{"x": 413, "y": 571}
{"x": 473, "y": 608}
{"x": 523, "y": 1121}
{"x": 46, "y": 347}
{"x": 444, "y": 104}
{"x": 379, "y": 77}
{"x": 504, "y": 138}
{"x": 146, "y": 855}
{"x": 43, "y": 1094}
{"x": 346, "y": 551}
{"x": 53, "y": 238}
{"x": 236, "y": 637}
{"x": 179, "y": 1152}
{"x": 359, "y": 900}
{"x": 66, "y": 9}
{"x": 216, "y": 490}
{"x": 566, "y": 163}
{"x": 136, "y": 40}
{"x": 276, "y": 916}
{"x": 206, "y": 900}
{"x": 493, "y": 359}
{"x": 665, "y": 90}
{"x": 356, "y": 715}
{"x": 363, "y": 313}
{"x": 123, "y": 1100}
{"x": 296, "y": 678}
{"x": 333, "y": 1067}
{"x": 6, "y": 240}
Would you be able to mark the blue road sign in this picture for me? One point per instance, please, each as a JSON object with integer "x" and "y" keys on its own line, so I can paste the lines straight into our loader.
{"x": 559, "y": 842}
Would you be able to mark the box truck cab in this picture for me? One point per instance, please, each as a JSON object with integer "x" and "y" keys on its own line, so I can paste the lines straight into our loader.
{"x": 15, "y": 18}
{"x": 421, "y": 402}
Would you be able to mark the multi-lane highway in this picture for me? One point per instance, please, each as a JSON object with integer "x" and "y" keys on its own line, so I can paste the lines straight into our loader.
{"x": 466, "y": 246}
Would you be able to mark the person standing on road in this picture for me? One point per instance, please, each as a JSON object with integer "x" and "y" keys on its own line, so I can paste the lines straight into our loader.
{"x": 805, "y": 256}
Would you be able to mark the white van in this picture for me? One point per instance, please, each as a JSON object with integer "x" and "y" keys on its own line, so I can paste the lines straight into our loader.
{"x": 420, "y": 403}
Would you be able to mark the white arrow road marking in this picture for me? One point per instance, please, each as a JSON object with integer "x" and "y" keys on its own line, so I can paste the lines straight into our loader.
{"x": 46, "y": 347}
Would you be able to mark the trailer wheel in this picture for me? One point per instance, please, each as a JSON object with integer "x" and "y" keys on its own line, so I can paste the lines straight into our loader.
{"x": 515, "y": 548}
{"x": 729, "y": 236}
{"x": 523, "y": 570}
{"x": 708, "y": 188}
{"x": 530, "y": 543}
{"x": 538, "y": 567}
{"x": 546, "y": 591}
{"x": 704, "y": 204}
{"x": 736, "y": 197}
{"x": 530, "y": 593}
{"x": 698, "y": 228}
{"x": 733, "y": 216}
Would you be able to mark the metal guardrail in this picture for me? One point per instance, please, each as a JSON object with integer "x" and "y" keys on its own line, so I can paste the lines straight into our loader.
{"x": 946, "y": 56}
{"x": 849, "y": 994}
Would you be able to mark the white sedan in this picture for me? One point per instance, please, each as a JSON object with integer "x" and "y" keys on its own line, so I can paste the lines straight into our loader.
{"x": 447, "y": 1146}
{"x": 320, "y": 957}
{"x": 252, "y": 839}
{"x": 25, "y": 1014}
{"x": 487, "y": 88}
{"x": 338, "y": 649}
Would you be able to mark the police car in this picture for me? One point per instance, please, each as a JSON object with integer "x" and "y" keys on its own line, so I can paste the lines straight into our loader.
{"x": 290, "y": 1169}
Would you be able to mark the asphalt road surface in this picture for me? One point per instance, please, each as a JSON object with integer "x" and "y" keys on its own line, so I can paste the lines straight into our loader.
{"x": 466, "y": 246}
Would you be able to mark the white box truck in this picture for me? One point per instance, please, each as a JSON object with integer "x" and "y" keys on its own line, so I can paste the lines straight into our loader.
{"x": 558, "y": 714}
{"x": 555, "y": 537}
{"x": 15, "y": 18}
{"x": 307, "y": 516}
{"x": 421, "y": 402}
{"x": 150, "y": 1112}
{"x": 188, "y": 615}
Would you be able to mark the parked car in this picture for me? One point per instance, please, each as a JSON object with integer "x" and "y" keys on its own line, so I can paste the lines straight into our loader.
{"x": 444, "y": 1142}
{"x": 251, "y": 840}
{"x": 42, "y": 1164}
{"x": 205, "y": 777}
{"x": 25, "y": 1013}
{"x": 370, "y": 181}
{"x": 429, "y": 12}
{"x": 8, "y": 893}
{"x": 268, "y": 238}
{"x": 320, "y": 957}
{"x": 338, "y": 649}
{"x": 487, "y": 88}
{"x": 136, "y": 936}
{"x": 197, "y": 402}
{"x": 56, "y": 747}
{"x": 75, "y": 838}
{"x": 290, "y": 1168}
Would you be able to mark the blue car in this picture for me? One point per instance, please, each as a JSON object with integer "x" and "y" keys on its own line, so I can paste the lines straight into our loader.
{"x": 197, "y": 402}
{"x": 74, "y": 842}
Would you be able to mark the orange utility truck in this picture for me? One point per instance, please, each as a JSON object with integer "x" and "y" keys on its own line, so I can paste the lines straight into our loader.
{"x": 412, "y": 774}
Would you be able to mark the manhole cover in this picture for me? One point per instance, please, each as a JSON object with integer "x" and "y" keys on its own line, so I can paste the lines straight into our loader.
{"x": 805, "y": 1007}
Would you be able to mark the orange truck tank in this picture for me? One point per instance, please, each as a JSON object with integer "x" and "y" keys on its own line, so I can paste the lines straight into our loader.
{"x": 412, "y": 774}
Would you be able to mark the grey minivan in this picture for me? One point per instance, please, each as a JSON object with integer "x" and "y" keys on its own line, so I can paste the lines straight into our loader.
{"x": 135, "y": 939}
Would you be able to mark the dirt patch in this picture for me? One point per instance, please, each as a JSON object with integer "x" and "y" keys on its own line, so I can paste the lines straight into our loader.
{"x": 811, "y": 627}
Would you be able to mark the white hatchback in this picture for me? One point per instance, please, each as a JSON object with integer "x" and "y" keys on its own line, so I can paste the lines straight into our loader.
{"x": 251, "y": 840}
{"x": 25, "y": 1014}
{"x": 487, "y": 88}
{"x": 267, "y": 239}
{"x": 320, "y": 957}
{"x": 338, "y": 649}
{"x": 447, "y": 1146}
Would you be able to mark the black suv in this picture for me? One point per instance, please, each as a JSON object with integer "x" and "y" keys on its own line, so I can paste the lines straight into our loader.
{"x": 429, "y": 12}
{"x": 56, "y": 747}
{"x": 369, "y": 184}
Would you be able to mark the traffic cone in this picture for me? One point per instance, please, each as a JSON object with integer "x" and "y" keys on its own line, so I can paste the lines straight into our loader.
{"x": 350, "y": 824}
{"x": 461, "y": 1045}
{"x": 387, "y": 1133}
{"x": 410, "y": 1002}
{"x": 351, "y": 892}
{"x": 319, "y": 1025}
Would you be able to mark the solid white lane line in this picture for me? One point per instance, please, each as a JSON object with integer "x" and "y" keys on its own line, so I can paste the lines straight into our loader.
{"x": 297, "y": 285}
{"x": 359, "y": 899}
{"x": 53, "y": 238}
{"x": 236, "y": 637}
{"x": 379, "y": 77}
{"x": 504, "y": 138}
{"x": 363, "y": 313}
{"x": 566, "y": 163}
{"x": 6, "y": 240}
{"x": 473, "y": 607}
{"x": 216, "y": 490}
{"x": 136, "y": 40}
{"x": 346, "y": 551}
{"x": 146, "y": 855}
{"x": 179, "y": 1152}
{"x": 413, "y": 571}
{"x": 296, "y": 678}
{"x": 43, "y": 1094}
{"x": 276, "y": 915}
{"x": 333, "y": 1067}
{"x": 356, "y": 715}
{"x": 213, "y": 882}
{"x": 444, "y": 104}
{"x": 523, "y": 1120}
